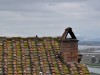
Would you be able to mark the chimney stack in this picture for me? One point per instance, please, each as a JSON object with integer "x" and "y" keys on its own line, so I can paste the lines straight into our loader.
{"x": 69, "y": 46}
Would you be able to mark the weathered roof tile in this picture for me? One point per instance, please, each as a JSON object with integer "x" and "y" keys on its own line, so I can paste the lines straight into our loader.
{"x": 35, "y": 56}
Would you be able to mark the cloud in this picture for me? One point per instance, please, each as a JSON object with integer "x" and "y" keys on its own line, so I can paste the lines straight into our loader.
{"x": 49, "y": 17}
{"x": 31, "y": 5}
{"x": 94, "y": 4}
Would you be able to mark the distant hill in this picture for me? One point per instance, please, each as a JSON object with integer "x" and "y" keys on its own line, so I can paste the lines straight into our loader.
{"x": 91, "y": 43}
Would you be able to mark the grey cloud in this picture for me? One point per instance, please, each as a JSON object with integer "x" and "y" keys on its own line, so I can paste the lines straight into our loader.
{"x": 94, "y": 4}
{"x": 30, "y": 5}
{"x": 48, "y": 17}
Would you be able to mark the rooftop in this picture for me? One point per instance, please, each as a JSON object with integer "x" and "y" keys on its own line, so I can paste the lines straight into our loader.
{"x": 35, "y": 56}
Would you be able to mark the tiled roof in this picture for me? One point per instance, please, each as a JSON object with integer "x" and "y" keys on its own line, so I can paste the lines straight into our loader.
{"x": 35, "y": 56}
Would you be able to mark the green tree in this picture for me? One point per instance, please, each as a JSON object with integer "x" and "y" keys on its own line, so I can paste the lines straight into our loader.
{"x": 93, "y": 59}
{"x": 99, "y": 60}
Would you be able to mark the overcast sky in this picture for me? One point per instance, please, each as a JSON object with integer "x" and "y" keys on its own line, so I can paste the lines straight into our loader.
{"x": 50, "y": 17}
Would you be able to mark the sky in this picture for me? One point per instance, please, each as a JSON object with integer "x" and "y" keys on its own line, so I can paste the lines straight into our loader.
{"x": 50, "y": 18}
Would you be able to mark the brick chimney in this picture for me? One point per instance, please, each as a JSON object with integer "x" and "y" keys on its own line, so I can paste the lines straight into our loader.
{"x": 69, "y": 46}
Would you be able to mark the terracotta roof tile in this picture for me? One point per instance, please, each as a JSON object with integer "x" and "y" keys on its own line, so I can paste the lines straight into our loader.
{"x": 32, "y": 56}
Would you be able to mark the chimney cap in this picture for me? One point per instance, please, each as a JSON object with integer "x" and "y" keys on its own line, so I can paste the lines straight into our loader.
{"x": 68, "y": 30}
